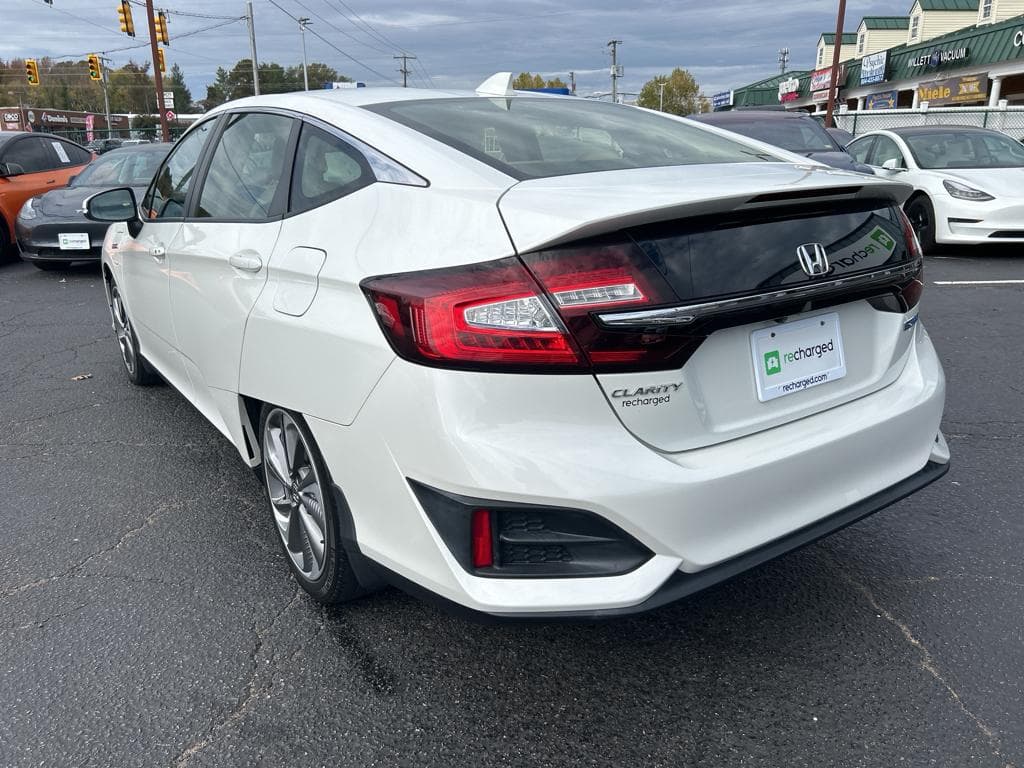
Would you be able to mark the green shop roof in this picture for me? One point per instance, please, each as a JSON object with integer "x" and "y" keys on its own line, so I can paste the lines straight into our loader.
{"x": 987, "y": 44}
{"x": 886, "y": 22}
{"x": 849, "y": 38}
{"x": 948, "y": 5}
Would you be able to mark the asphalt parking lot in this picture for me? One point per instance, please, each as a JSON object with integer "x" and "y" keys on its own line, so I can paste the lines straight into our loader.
{"x": 147, "y": 617}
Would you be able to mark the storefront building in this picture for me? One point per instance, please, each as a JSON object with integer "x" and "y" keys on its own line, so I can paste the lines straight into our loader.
{"x": 979, "y": 65}
{"x": 57, "y": 120}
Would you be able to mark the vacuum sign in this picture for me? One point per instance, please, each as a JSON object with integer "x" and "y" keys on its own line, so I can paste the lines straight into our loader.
{"x": 938, "y": 58}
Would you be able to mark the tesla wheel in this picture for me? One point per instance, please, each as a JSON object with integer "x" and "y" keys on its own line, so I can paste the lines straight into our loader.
{"x": 135, "y": 365}
{"x": 922, "y": 219}
{"x": 303, "y": 507}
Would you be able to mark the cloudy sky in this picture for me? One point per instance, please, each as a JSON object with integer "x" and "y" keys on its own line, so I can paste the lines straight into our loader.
{"x": 458, "y": 42}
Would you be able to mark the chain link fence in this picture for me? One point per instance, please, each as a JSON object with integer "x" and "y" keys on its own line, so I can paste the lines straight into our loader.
{"x": 1009, "y": 120}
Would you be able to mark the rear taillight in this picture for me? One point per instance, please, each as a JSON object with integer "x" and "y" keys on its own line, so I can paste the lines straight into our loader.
{"x": 479, "y": 317}
{"x": 502, "y": 315}
{"x": 910, "y": 292}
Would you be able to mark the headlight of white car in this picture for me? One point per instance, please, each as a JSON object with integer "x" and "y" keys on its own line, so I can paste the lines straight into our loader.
{"x": 963, "y": 192}
{"x": 27, "y": 210}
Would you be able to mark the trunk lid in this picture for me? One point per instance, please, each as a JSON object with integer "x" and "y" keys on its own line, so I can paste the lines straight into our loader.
{"x": 725, "y": 242}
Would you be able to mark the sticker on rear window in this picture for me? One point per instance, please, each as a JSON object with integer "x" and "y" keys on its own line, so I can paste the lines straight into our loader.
{"x": 61, "y": 152}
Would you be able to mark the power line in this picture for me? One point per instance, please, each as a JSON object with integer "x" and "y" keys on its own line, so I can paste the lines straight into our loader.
{"x": 80, "y": 18}
{"x": 370, "y": 29}
{"x": 332, "y": 45}
{"x": 340, "y": 30}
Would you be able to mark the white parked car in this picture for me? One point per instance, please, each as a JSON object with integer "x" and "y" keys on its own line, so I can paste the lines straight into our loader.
{"x": 968, "y": 182}
{"x": 529, "y": 355}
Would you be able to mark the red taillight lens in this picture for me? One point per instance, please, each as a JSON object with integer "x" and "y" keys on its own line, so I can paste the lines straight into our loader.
{"x": 911, "y": 291}
{"x": 481, "y": 542}
{"x": 482, "y": 316}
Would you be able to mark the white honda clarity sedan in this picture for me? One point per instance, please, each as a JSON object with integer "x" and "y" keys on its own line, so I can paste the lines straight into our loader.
{"x": 968, "y": 182}
{"x": 529, "y": 355}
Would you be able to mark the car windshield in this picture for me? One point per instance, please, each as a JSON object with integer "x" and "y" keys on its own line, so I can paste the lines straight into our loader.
{"x": 801, "y": 135}
{"x": 540, "y": 137}
{"x": 965, "y": 149}
{"x": 117, "y": 169}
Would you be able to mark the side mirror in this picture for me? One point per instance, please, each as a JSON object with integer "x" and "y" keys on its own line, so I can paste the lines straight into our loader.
{"x": 114, "y": 205}
{"x": 111, "y": 205}
{"x": 892, "y": 164}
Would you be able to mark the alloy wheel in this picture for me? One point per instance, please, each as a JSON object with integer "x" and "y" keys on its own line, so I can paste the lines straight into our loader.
{"x": 296, "y": 493}
{"x": 123, "y": 331}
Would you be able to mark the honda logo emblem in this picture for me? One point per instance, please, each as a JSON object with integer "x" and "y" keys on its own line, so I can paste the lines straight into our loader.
{"x": 813, "y": 259}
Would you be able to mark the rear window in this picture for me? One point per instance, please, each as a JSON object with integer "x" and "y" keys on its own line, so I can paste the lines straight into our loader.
{"x": 535, "y": 138}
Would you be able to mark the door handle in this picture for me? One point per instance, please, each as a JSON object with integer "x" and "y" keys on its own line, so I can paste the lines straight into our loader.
{"x": 158, "y": 252}
{"x": 247, "y": 261}
{"x": 51, "y": 181}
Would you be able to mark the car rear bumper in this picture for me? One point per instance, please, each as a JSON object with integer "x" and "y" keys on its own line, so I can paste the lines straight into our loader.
{"x": 706, "y": 513}
{"x": 681, "y": 584}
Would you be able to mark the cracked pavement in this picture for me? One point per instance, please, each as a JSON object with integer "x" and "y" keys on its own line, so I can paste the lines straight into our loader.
{"x": 147, "y": 617}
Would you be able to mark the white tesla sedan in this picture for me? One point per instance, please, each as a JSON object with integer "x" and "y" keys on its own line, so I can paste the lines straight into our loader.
{"x": 968, "y": 182}
{"x": 529, "y": 355}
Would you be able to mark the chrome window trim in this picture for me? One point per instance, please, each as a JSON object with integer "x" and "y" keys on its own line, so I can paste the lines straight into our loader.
{"x": 690, "y": 313}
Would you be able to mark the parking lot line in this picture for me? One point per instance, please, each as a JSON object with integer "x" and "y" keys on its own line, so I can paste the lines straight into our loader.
{"x": 979, "y": 282}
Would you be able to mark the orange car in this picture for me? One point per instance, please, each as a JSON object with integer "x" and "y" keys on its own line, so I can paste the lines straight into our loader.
{"x": 30, "y": 164}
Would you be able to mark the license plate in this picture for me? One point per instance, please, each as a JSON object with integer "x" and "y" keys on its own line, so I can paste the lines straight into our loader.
{"x": 73, "y": 241}
{"x": 792, "y": 357}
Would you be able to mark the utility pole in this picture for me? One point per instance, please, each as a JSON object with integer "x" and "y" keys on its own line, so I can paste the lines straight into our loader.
{"x": 661, "y": 95}
{"x": 833, "y": 80}
{"x": 615, "y": 71}
{"x": 106, "y": 96}
{"x": 405, "y": 68}
{"x": 572, "y": 83}
{"x": 158, "y": 76}
{"x": 783, "y": 60}
{"x": 252, "y": 48}
{"x": 303, "y": 23}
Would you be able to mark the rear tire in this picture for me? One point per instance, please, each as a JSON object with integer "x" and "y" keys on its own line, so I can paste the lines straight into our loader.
{"x": 303, "y": 509}
{"x": 6, "y": 247}
{"x": 136, "y": 367}
{"x": 922, "y": 218}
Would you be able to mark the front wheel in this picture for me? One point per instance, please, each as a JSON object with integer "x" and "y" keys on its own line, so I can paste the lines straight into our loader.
{"x": 135, "y": 365}
{"x": 922, "y": 218}
{"x": 303, "y": 508}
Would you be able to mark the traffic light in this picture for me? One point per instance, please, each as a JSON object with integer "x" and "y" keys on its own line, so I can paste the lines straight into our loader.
{"x": 95, "y": 72}
{"x": 32, "y": 71}
{"x": 160, "y": 59}
{"x": 124, "y": 15}
{"x": 160, "y": 23}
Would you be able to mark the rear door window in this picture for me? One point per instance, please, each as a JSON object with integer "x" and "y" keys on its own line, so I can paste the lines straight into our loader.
{"x": 885, "y": 150}
{"x": 32, "y": 154}
{"x": 246, "y": 170}
{"x": 326, "y": 168}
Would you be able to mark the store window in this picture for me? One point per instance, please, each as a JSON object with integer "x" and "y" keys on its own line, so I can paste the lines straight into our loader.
{"x": 986, "y": 9}
{"x": 860, "y": 43}
{"x": 915, "y": 26}
{"x": 821, "y": 55}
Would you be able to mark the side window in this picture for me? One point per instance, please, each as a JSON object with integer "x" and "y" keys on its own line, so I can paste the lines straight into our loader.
{"x": 246, "y": 168}
{"x": 32, "y": 154}
{"x": 166, "y": 196}
{"x": 326, "y": 168}
{"x": 861, "y": 149}
{"x": 886, "y": 149}
{"x": 75, "y": 154}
